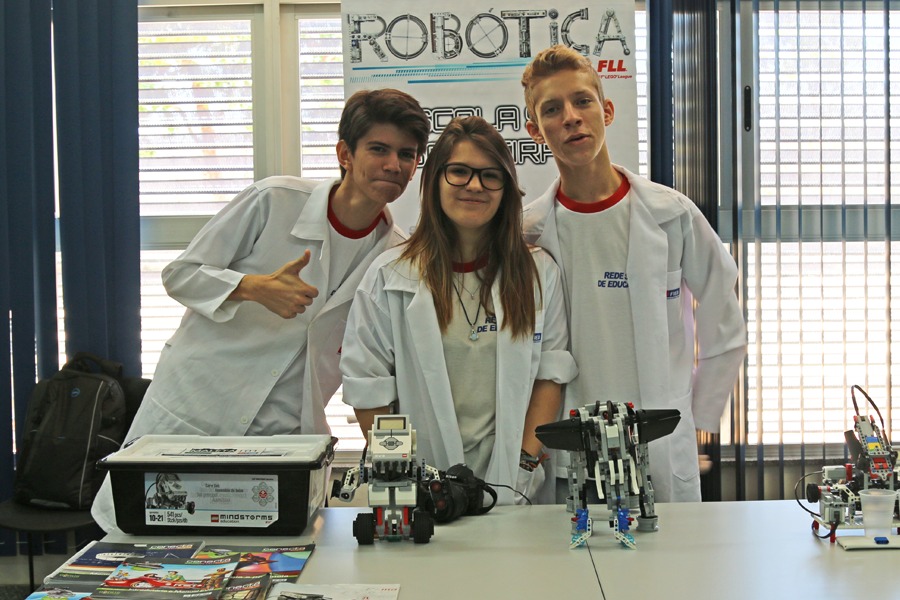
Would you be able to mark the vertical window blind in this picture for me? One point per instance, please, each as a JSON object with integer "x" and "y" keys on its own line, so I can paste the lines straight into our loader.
{"x": 819, "y": 253}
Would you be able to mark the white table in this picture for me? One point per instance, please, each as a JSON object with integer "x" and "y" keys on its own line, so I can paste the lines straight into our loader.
{"x": 728, "y": 550}
{"x": 742, "y": 551}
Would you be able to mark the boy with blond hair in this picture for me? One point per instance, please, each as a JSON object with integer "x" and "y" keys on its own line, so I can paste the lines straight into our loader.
{"x": 650, "y": 289}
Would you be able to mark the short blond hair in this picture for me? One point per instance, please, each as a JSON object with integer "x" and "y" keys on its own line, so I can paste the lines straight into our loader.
{"x": 550, "y": 61}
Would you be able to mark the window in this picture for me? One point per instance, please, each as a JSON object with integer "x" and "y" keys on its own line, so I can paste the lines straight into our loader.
{"x": 321, "y": 76}
{"x": 196, "y": 145}
{"x": 816, "y": 215}
{"x": 196, "y": 115}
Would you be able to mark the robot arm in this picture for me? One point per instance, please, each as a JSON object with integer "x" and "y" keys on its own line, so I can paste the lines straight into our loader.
{"x": 428, "y": 472}
{"x": 346, "y": 489}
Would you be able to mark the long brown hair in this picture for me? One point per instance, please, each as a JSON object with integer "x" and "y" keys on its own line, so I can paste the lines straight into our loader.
{"x": 432, "y": 245}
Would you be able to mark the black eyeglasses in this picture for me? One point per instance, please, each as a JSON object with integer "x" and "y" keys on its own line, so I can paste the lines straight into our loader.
{"x": 460, "y": 174}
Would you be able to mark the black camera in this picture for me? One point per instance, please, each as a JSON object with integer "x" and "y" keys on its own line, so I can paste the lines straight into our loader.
{"x": 456, "y": 493}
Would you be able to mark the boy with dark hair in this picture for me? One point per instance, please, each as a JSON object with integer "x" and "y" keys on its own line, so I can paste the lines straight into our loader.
{"x": 268, "y": 283}
{"x": 367, "y": 108}
{"x": 653, "y": 315}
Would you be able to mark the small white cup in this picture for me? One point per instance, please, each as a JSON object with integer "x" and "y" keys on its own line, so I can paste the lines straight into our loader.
{"x": 878, "y": 511}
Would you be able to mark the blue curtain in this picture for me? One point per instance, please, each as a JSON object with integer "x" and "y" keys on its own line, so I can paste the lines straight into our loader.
{"x": 27, "y": 262}
{"x": 95, "y": 45}
{"x": 95, "y": 58}
{"x": 661, "y": 111}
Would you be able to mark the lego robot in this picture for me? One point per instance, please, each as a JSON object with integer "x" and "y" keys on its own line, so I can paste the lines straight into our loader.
{"x": 169, "y": 494}
{"x": 873, "y": 466}
{"x": 609, "y": 442}
{"x": 389, "y": 467}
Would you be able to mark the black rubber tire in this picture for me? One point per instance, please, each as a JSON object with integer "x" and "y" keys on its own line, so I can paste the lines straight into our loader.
{"x": 364, "y": 529}
{"x": 422, "y": 526}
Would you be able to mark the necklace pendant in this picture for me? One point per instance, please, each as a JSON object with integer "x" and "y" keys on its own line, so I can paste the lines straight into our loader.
{"x": 474, "y": 335}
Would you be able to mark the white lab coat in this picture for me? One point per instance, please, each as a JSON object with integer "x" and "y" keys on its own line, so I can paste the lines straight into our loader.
{"x": 671, "y": 246}
{"x": 392, "y": 350}
{"x": 226, "y": 356}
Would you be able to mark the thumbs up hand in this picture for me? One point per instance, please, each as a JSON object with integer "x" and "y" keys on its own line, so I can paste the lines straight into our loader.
{"x": 283, "y": 292}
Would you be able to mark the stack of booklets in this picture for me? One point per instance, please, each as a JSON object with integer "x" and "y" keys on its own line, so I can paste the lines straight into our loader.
{"x": 187, "y": 571}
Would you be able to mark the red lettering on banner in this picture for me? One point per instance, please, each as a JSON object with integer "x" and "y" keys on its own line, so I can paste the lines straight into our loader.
{"x": 611, "y": 66}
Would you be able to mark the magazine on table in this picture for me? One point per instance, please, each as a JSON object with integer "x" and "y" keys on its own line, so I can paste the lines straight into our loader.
{"x": 73, "y": 589}
{"x": 186, "y": 570}
{"x": 58, "y": 593}
{"x": 88, "y": 568}
{"x": 247, "y": 587}
{"x": 171, "y": 578}
{"x": 284, "y": 563}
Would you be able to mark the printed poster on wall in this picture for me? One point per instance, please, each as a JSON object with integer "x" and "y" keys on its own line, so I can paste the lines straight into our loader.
{"x": 460, "y": 59}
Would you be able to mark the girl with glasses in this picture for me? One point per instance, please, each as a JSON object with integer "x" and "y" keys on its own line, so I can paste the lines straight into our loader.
{"x": 464, "y": 324}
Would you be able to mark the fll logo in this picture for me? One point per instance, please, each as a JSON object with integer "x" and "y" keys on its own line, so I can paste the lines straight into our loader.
{"x": 75, "y": 393}
{"x": 611, "y": 66}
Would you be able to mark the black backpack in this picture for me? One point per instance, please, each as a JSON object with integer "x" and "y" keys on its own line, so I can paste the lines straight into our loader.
{"x": 76, "y": 417}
